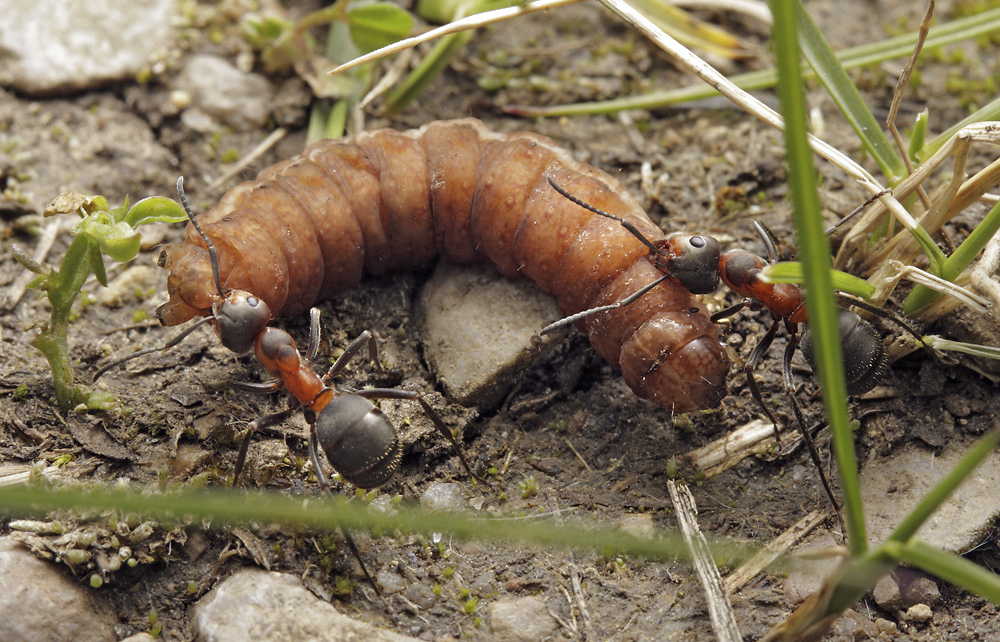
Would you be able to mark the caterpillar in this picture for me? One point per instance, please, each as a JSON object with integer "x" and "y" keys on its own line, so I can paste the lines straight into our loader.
{"x": 309, "y": 227}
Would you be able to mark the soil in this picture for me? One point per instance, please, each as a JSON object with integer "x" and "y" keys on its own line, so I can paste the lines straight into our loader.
{"x": 572, "y": 426}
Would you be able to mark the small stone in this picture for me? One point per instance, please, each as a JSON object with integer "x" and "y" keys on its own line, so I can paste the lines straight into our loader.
{"x": 53, "y": 46}
{"x": 140, "y": 637}
{"x": 390, "y": 582}
{"x": 258, "y": 605}
{"x": 238, "y": 99}
{"x": 919, "y": 613}
{"x": 638, "y": 525}
{"x": 887, "y": 595}
{"x": 922, "y": 590}
{"x": 481, "y": 330}
{"x": 443, "y": 496}
{"x": 523, "y": 619}
{"x": 887, "y": 627}
{"x": 131, "y": 285}
{"x": 40, "y": 603}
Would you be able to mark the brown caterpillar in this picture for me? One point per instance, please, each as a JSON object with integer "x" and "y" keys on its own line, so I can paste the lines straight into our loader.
{"x": 308, "y": 228}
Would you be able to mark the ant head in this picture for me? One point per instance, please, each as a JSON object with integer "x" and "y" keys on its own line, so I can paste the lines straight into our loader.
{"x": 692, "y": 259}
{"x": 239, "y": 318}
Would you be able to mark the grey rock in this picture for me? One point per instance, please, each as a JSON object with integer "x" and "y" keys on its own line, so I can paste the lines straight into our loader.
{"x": 57, "y": 46}
{"x": 921, "y": 590}
{"x": 264, "y": 605}
{"x": 523, "y": 619}
{"x": 443, "y": 496}
{"x": 887, "y": 595}
{"x": 140, "y": 637}
{"x": 40, "y": 604}
{"x": 479, "y": 330}
{"x": 217, "y": 88}
{"x": 892, "y": 486}
{"x": 801, "y": 584}
{"x": 919, "y": 613}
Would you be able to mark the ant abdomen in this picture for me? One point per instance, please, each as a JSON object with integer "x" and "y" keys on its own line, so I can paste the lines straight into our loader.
{"x": 865, "y": 360}
{"x": 359, "y": 441}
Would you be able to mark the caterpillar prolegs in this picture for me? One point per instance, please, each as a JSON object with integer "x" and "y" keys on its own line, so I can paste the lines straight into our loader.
{"x": 310, "y": 227}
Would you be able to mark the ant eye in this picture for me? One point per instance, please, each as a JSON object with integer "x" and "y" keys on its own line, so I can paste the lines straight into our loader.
{"x": 697, "y": 241}
{"x": 252, "y": 301}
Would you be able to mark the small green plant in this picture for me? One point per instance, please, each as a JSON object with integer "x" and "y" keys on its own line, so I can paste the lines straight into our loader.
{"x": 529, "y": 487}
{"x": 100, "y": 231}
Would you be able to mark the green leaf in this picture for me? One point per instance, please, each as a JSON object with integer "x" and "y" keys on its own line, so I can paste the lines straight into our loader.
{"x": 378, "y": 25}
{"x": 155, "y": 209}
{"x": 791, "y": 272}
{"x": 117, "y": 240}
{"x": 96, "y": 262}
{"x": 27, "y": 262}
{"x": 834, "y": 77}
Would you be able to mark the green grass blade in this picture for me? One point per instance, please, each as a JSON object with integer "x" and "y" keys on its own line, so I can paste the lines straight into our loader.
{"x": 817, "y": 263}
{"x": 792, "y": 272}
{"x": 834, "y": 77}
{"x": 952, "y": 568}
{"x": 228, "y": 507}
{"x": 987, "y": 113}
{"x": 944, "y": 488}
{"x": 960, "y": 259}
{"x": 869, "y": 54}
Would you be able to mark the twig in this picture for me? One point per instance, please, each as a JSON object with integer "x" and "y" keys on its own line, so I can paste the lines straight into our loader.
{"x": 742, "y": 575}
{"x": 719, "y": 609}
{"x": 254, "y": 154}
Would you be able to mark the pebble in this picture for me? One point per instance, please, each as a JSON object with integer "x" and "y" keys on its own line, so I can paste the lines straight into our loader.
{"x": 217, "y": 88}
{"x": 443, "y": 496}
{"x": 892, "y": 486}
{"x": 480, "y": 330}
{"x": 264, "y": 605}
{"x": 55, "y": 47}
{"x": 887, "y": 595}
{"x": 129, "y": 286}
{"x": 522, "y": 619}
{"x": 799, "y": 584}
{"x": 41, "y": 604}
{"x": 919, "y": 613}
{"x": 638, "y": 524}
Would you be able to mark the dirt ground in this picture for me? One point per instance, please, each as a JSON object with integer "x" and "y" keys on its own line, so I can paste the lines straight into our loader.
{"x": 179, "y": 420}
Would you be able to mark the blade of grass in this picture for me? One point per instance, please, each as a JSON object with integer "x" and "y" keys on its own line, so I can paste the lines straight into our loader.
{"x": 952, "y": 568}
{"x": 960, "y": 259}
{"x": 838, "y": 84}
{"x": 869, "y": 54}
{"x": 817, "y": 264}
{"x": 944, "y": 488}
{"x": 223, "y": 506}
{"x": 792, "y": 272}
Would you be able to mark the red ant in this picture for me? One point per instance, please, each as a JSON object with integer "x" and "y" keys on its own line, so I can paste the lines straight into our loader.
{"x": 359, "y": 441}
{"x": 697, "y": 264}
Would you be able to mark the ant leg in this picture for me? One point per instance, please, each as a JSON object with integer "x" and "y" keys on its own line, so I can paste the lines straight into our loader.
{"x": 324, "y": 485}
{"x": 850, "y": 299}
{"x": 257, "y": 424}
{"x": 142, "y": 353}
{"x": 392, "y": 393}
{"x": 730, "y": 311}
{"x": 352, "y": 351}
{"x": 755, "y": 358}
{"x": 257, "y": 388}
{"x": 786, "y": 370}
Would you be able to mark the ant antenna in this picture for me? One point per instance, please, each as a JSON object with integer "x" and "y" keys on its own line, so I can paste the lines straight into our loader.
{"x": 626, "y": 224}
{"x": 632, "y": 298}
{"x": 142, "y": 353}
{"x": 213, "y": 257}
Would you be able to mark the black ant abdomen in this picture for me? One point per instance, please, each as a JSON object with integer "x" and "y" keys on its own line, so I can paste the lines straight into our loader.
{"x": 359, "y": 441}
{"x": 865, "y": 361}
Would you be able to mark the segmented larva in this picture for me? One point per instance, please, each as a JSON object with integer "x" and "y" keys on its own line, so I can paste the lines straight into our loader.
{"x": 310, "y": 227}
